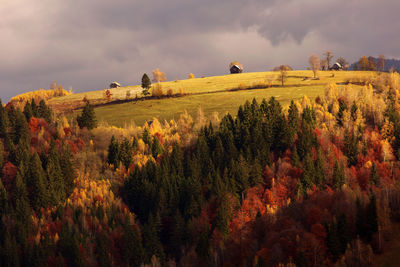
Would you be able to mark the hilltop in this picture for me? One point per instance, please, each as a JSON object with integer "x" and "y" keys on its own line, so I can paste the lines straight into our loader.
{"x": 212, "y": 94}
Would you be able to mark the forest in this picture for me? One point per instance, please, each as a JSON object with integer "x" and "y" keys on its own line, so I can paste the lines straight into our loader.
{"x": 312, "y": 184}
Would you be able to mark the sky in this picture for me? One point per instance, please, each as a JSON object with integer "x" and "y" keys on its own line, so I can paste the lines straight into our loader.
{"x": 88, "y": 44}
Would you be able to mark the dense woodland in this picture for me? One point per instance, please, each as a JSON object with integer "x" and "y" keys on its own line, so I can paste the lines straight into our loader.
{"x": 312, "y": 184}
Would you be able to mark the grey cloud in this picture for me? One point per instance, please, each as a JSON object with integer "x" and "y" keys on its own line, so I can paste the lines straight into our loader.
{"x": 86, "y": 44}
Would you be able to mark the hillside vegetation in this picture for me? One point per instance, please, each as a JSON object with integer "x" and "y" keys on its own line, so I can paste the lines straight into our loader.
{"x": 313, "y": 184}
{"x": 212, "y": 94}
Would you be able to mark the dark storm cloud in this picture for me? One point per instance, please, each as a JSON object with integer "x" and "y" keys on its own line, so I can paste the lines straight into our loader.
{"x": 87, "y": 44}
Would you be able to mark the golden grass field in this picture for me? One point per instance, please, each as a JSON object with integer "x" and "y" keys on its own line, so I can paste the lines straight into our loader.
{"x": 211, "y": 94}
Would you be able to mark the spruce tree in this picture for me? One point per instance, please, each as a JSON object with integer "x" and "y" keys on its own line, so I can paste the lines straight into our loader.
{"x": 88, "y": 117}
{"x": 125, "y": 153}
{"x": 36, "y": 179}
{"x": 54, "y": 176}
{"x": 156, "y": 147}
{"x": 44, "y": 111}
{"x": 146, "y": 84}
{"x": 113, "y": 152}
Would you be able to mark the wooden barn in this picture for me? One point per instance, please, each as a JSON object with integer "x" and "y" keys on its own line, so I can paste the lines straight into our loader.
{"x": 236, "y": 67}
{"x": 114, "y": 85}
{"x": 336, "y": 66}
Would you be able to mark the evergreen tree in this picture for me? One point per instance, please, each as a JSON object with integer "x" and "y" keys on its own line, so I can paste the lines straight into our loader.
{"x": 125, "y": 153}
{"x": 338, "y": 175}
{"x": 132, "y": 250}
{"x": 55, "y": 179}
{"x": 44, "y": 111}
{"x": 68, "y": 245}
{"x": 156, "y": 147}
{"x": 87, "y": 118}
{"x": 146, "y": 84}
{"x": 20, "y": 130}
{"x": 151, "y": 239}
{"x": 36, "y": 179}
{"x": 28, "y": 111}
{"x": 22, "y": 210}
{"x": 113, "y": 152}
{"x": 67, "y": 169}
{"x": 146, "y": 136}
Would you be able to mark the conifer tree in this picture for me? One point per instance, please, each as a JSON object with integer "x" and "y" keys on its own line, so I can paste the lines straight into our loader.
{"x": 22, "y": 210}
{"x": 113, "y": 152}
{"x": 44, "y": 111}
{"x": 125, "y": 153}
{"x": 146, "y": 136}
{"x": 146, "y": 84}
{"x": 156, "y": 147}
{"x": 36, "y": 179}
{"x": 132, "y": 249}
{"x": 88, "y": 117}
{"x": 20, "y": 131}
{"x": 28, "y": 111}
{"x": 54, "y": 176}
{"x": 338, "y": 175}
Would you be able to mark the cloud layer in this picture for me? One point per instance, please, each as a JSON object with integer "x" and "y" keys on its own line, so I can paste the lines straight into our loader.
{"x": 87, "y": 44}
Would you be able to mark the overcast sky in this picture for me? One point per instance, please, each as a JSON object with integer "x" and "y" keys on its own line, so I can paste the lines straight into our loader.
{"x": 87, "y": 44}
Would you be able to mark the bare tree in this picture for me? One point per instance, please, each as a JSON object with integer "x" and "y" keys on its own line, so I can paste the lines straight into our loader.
{"x": 283, "y": 74}
{"x": 315, "y": 64}
{"x": 324, "y": 64}
{"x": 328, "y": 56}
{"x": 381, "y": 62}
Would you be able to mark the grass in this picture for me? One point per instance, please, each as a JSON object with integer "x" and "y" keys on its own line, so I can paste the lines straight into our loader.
{"x": 211, "y": 94}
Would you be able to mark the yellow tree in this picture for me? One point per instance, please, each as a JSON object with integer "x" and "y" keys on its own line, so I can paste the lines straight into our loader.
{"x": 159, "y": 76}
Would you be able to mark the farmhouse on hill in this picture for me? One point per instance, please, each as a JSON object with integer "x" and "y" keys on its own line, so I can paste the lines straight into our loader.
{"x": 336, "y": 66}
{"x": 236, "y": 67}
{"x": 114, "y": 85}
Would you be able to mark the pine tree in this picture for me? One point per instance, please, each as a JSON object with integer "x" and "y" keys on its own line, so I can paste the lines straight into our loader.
{"x": 22, "y": 210}
{"x": 36, "y": 179}
{"x": 338, "y": 175}
{"x": 28, "y": 111}
{"x": 113, "y": 152}
{"x": 44, "y": 111}
{"x": 20, "y": 131}
{"x": 146, "y": 84}
{"x": 132, "y": 250}
{"x": 125, "y": 153}
{"x": 156, "y": 147}
{"x": 151, "y": 239}
{"x": 55, "y": 179}
{"x": 87, "y": 118}
{"x": 146, "y": 136}
{"x": 67, "y": 169}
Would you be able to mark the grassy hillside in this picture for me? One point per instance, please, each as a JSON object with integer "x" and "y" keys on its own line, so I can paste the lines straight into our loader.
{"x": 211, "y": 94}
